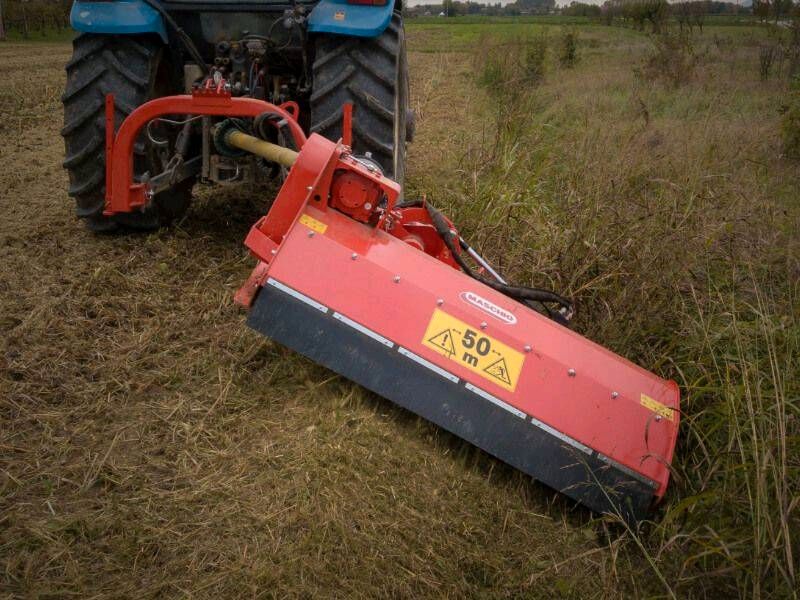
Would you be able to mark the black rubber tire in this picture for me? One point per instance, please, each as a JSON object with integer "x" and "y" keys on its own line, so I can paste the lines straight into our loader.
{"x": 372, "y": 74}
{"x": 134, "y": 70}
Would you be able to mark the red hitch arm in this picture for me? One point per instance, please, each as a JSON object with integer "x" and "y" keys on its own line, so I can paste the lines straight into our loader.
{"x": 122, "y": 193}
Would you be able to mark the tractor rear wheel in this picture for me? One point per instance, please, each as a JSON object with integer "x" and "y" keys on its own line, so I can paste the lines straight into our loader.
{"x": 135, "y": 70}
{"x": 372, "y": 74}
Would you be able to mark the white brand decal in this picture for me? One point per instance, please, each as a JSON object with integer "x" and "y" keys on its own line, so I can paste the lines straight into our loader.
{"x": 489, "y": 307}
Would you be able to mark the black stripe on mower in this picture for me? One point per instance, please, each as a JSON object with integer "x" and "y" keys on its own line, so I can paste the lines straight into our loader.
{"x": 373, "y": 361}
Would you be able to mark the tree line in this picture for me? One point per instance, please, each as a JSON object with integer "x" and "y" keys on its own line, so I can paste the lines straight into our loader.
{"x": 635, "y": 13}
{"x": 653, "y": 13}
{"x": 630, "y": 8}
{"x": 454, "y": 8}
{"x": 33, "y": 17}
{"x": 37, "y": 17}
{"x": 774, "y": 9}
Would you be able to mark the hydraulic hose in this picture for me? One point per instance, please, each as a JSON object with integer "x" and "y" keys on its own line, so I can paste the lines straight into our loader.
{"x": 182, "y": 35}
{"x": 526, "y": 295}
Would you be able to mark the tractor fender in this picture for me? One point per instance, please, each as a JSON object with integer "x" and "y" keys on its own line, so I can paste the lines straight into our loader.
{"x": 358, "y": 20}
{"x": 120, "y": 17}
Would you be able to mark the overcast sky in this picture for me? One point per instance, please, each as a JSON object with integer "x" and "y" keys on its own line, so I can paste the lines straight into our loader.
{"x": 503, "y": 2}
{"x": 558, "y": 2}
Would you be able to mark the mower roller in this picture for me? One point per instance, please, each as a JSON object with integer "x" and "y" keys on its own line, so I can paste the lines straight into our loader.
{"x": 386, "y": 293}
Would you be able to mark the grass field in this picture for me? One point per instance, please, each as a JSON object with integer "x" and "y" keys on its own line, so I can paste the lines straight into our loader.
{"x": 37, "y": 37}
{"x": 152, "y": 445}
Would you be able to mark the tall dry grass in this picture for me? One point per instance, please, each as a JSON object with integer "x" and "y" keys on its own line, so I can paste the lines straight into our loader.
{"x": 511, "y": 65}
{"x": 667, "y": 212}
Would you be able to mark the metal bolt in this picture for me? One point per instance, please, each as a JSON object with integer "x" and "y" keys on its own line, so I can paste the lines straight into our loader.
{"x": 310, "y": 234}
{"x": 397, "y": 278}
{"x": 483, "y": 324}
{"x": 439, "y": 302}
{"x": 354, "y": 256}
{"x": 571, "y": 372}
{"x": 615, "y": 394}
{"x": 273, "y": 252}
{"x": 527, "y": 348}
{"x": 658, "y": 418}
{"x": 309, "y": 188}
{"x": 367, "y": 206}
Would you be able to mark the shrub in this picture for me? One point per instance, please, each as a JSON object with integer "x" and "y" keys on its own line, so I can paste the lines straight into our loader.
{"x": 569, "y": 49}
{"x": 793, "y": 46}
{"x": 766, "y": 57}
{"x": 492, "y": 74}
{"x": 672, "y": 60}
{"x": 503, "y": 68}
{"x": 497, "y": 65}
{"x": 535, "y": 59}
{"x": 791, "y": 122}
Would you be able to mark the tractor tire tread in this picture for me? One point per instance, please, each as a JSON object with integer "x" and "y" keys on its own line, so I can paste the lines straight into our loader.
{"x": 129, "y": 74}
{"x": 124, "y": 66}
{"x": 323, "y": 60}
{"x": 368, "y": 65}
{"x": 85, "y": 186}
{"x": 368, "y": 99}
{"x": 327, "y": 123}
{"x": 364, "y": 72}
{"x": 89, "y": 47}
{"x": 334, "y": 84}
{"x": 96, "y": 72}
{"x": 371, "y": 141}
{"x": 82, "y": 154}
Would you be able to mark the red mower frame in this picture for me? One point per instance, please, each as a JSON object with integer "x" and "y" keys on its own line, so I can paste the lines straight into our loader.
{"x": 557, "y": 406}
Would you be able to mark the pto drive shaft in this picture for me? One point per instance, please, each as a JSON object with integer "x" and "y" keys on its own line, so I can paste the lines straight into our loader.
{"x": 271, "y": 152}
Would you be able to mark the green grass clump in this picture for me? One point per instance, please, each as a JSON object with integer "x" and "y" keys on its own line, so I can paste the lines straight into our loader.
{"x": 512, "y": 66}
{"x": 568, "y": 52}
{"x": 791, "y": 121}
{"x": 672, "y": 59}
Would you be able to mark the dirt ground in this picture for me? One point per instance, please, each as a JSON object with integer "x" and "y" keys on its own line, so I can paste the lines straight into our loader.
{"x": 152, "y": 445}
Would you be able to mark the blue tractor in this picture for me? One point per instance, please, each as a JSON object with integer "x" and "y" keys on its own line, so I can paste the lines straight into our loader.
{"x": 317, "y": 55}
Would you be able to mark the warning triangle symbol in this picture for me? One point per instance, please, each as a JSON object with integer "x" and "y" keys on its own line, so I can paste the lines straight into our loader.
{"x": 444, "y": 340}
{"x": 499, "y": 370}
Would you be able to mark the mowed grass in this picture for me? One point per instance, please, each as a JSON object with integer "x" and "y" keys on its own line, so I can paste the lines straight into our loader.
{"x": 150, "y": 444}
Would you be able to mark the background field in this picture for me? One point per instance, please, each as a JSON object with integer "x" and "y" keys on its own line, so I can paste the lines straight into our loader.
{"x": 150, "y": 444}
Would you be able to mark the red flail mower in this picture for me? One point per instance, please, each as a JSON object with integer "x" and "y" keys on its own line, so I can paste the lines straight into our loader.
{"x": 385, "y": 292}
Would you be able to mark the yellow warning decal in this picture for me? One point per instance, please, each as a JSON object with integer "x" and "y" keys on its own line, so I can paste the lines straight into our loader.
{"x": 474, "y": 350}
{"x": 657, "y": 407}
{"x": 312, "y": 223}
